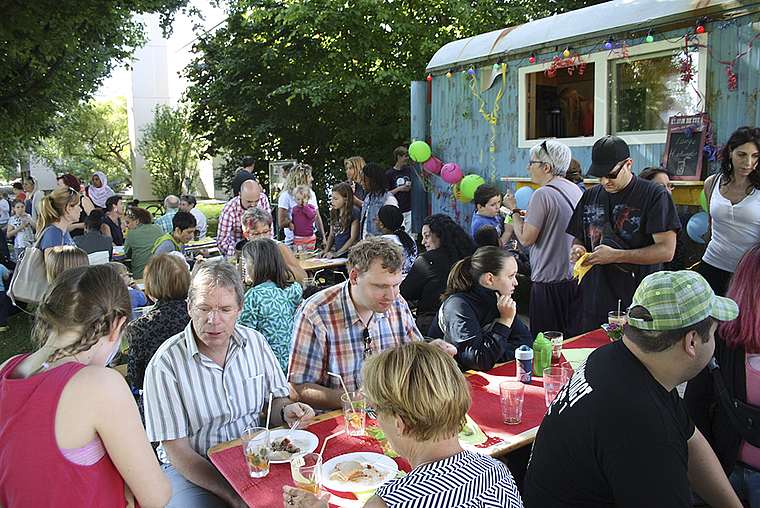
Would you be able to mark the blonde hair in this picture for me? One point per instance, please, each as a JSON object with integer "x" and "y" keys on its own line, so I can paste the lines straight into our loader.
{"x": 299, "y": 175}
{"x": 87, "y": 299}
{"x": 357, "y": 164}
{"x": 53, "y": 207}
{"x": 62, "y": 257}
{"x": 166, "y": 278}
{"x": 302, "y": 189}
{"x": 421, "y": 384}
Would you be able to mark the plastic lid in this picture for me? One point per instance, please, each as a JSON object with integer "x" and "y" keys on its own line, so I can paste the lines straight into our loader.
{"x": 523, "y": 353}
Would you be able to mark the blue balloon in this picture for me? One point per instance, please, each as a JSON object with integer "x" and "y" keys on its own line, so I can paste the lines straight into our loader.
{"x": 522, "y": 196}
{"x": 697, "y": 226}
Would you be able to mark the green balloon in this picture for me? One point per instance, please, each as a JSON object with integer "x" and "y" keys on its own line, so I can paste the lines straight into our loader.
{"x": 419, "y": 151}
{"x": 470, "y": 183}
{"x": 703, "y": 200}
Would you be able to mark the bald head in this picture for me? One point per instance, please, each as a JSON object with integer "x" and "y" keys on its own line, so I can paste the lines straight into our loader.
{"x": 250, "y": 192}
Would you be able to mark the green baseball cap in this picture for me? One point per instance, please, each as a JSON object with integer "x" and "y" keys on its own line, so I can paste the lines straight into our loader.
{"x": 679, "y": 299}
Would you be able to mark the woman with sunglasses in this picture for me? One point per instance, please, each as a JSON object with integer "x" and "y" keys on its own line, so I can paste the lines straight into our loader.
{"x": 733, "y": 206}
{"x": 58, "y": 211}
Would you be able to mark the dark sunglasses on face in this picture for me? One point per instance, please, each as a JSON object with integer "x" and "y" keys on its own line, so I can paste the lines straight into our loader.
{"x": 614, "y": 174}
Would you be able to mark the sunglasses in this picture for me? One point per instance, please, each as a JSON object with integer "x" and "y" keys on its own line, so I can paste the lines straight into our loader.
{"x": 367, "y": 343}
{"x": 614, "y": 174}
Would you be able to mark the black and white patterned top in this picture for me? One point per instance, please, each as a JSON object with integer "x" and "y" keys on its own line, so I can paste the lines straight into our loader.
{"x": 465, "y": 480}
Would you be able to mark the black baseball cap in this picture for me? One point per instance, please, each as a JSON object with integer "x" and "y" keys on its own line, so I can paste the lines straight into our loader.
{"x": 606, "y": 154}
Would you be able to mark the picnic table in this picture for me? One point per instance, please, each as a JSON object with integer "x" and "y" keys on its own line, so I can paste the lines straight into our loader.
{"x": 485, "y": 412}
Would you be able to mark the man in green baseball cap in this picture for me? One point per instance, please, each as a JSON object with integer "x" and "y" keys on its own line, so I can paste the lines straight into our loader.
{"x": 618, "y": 433}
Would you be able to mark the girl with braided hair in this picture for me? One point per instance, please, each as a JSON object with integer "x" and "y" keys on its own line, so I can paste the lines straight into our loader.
{"x": 70, "y": 429}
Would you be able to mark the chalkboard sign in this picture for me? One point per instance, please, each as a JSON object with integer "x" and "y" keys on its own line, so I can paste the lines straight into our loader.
{"x": 683, "y": 149}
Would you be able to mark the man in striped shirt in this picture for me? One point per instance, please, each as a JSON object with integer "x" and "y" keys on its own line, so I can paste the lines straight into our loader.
{"x": 207, "y": 384}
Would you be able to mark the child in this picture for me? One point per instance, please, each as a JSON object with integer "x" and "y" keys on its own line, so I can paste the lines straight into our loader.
{"x": 487, "y": 201}
{"x": 390, "y": 222}
{"x": 344, "y": 222}
{"x": 304, "y": 212}
{"x": 60, "y": 258}
{"x": 21, "y": 226}
{"x": 136, "y": 296}
{"x": 270, "y": 305}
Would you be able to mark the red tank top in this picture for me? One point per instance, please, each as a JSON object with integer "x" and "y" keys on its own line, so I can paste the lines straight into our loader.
{"x": 33, "y": 472}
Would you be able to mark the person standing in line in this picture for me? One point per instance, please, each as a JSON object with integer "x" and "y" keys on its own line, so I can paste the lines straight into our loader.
{"x": 556, "y": 300}
{"x": 400, "y": 185}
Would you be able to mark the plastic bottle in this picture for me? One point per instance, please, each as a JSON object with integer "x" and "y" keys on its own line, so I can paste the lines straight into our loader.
{"x": 542, "y": 354}
{"x": 524, "y": 357}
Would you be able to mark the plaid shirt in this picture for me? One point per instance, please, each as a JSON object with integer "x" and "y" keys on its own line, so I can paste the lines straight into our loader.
{"x": 230, "y": 230}
{"x": 329, "y": 322}
{"x": 165, "y": 221}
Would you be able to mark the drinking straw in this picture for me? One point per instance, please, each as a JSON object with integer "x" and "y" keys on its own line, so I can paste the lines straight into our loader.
{"x": 619, "y": 307}
{"x": 348, "y": 397}
{"x": 328, "y": 438}
{"x": 269, "y": 410}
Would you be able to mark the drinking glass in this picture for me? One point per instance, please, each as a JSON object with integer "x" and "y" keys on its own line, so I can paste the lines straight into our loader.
{"x": 512, "y": 395}
{"x": 556, "y": 339}
{"x": 306, "y": 469}
{"x": 554, "y": 379}
{"x": 353, "y": 412}
{"x": 620, "y": 318}
{"x": 256, "y": 449}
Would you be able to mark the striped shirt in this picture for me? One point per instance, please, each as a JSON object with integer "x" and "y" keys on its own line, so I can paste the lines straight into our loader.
{"x": 327, "y": 336}
{"x": 465, "y": 480}
{"x": 188, "y": 395}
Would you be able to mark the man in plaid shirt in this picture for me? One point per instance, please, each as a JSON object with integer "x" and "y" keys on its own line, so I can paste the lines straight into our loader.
{"x": 230, "y": 229}
{"x": 340, "y": 326}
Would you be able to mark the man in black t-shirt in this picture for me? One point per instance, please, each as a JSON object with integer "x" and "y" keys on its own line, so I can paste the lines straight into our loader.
{"x": 617, "y": 434}
{"x": 400, "y": 185}
{"x": 628, "y": 227}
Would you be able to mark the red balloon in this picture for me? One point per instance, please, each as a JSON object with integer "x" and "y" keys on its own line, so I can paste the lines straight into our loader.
{"x": 451, "y": 173}
{"x": 432, "y": 165}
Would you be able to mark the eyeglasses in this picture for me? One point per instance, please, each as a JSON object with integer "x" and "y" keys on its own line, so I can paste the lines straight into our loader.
{"x": 367, "y": 343}
{"x": 206, "y": 312}
{"x": 670, "y": 186}
{"x": 536, "y": 162}
{"x": 614, "y": 174}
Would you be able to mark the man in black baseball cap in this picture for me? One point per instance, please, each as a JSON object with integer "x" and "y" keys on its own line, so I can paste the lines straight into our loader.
{"x": 624, "y": 229}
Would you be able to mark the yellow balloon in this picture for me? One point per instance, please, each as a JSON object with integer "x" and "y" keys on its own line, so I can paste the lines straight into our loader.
{"x": 458, "y": 193}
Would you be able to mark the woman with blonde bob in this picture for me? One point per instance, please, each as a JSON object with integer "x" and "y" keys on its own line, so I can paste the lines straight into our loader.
{"x": 422, "y": 401}
{"x": 354, "y": 167}
{"x": 58, "y": 211}
{"x": 167, "y": 280}
{"x": 62, "y": 410}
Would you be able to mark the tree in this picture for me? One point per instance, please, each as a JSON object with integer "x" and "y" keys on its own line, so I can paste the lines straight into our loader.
{"x": 322, "y": 80}
{"x": 171, "y": 151}
{"x": 56, "y": 53}
{"x": 94, "y": 136}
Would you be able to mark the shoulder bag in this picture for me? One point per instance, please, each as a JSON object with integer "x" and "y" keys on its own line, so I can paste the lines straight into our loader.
{"x": 29, "y": 281}
{"x": 744, "y": 417}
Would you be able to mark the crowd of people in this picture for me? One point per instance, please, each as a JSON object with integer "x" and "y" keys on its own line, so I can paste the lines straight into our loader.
{"x": 402, "y": 327}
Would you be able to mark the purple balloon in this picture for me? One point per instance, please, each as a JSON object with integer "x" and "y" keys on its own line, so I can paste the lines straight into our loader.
{"x": 451, "y": 172}
{"x": 432, "y": 165}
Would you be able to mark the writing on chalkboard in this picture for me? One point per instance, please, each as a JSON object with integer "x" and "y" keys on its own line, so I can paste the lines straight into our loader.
{"x": 683, "y": 149}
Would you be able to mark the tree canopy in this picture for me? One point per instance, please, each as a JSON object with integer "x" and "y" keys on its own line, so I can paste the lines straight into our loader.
{"x": 56, "y": 53}
{"x": 322, "y": 80}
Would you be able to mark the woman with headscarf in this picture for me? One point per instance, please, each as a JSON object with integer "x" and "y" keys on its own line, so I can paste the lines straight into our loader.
{"x": 99, "y": 191}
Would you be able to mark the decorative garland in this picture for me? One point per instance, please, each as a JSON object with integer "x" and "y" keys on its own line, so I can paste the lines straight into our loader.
{"x": 491, "y": 117}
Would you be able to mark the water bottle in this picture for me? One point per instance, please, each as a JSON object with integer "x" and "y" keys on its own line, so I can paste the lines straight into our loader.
{"x": 542, "y": 354}
{"x": 524, "y": 358}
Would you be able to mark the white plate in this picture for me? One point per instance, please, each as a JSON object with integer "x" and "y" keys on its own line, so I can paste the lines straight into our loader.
{"x": 387, "y": 469}
{"x": 303, "y": 439}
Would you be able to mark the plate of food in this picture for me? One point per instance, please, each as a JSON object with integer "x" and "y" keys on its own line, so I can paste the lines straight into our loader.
{"x": 358, "y": 472}
{"x": 281, "y": 449}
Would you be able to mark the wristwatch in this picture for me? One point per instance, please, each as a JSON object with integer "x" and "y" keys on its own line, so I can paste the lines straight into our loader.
{"x": 515, "y": 211}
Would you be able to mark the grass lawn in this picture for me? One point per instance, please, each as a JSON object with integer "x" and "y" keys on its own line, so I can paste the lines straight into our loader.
{"x": 17, "y": 340}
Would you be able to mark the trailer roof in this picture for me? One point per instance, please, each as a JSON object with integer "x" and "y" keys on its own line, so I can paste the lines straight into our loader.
{"x": 600, "y": 20}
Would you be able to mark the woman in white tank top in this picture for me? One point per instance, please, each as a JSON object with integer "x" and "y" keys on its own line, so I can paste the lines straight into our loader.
{"x": 733, "y": 203}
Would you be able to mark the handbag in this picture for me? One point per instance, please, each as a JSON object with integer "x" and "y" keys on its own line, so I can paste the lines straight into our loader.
{"x": 29, "y": 281}
{"x": 744, "y": 417}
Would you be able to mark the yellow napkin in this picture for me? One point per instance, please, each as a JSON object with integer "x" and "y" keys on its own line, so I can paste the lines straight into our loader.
{"x": 579, "y": 271}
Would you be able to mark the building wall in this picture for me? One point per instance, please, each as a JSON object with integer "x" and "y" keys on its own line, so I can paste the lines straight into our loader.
{"x": 460, "y": 133}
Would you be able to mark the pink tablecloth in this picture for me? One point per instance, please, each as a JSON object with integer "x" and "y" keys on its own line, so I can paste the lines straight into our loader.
{"x": 485, "y": 411}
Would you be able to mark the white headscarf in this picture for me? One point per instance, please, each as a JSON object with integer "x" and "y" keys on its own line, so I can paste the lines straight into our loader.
{"x": 99, "y": 196}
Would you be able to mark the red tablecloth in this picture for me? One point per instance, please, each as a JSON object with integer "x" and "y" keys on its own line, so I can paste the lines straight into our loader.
{"x": 485, "y": 411}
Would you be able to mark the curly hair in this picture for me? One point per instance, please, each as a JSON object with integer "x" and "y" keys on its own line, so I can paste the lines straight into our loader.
{"x": 452, "y": 237}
